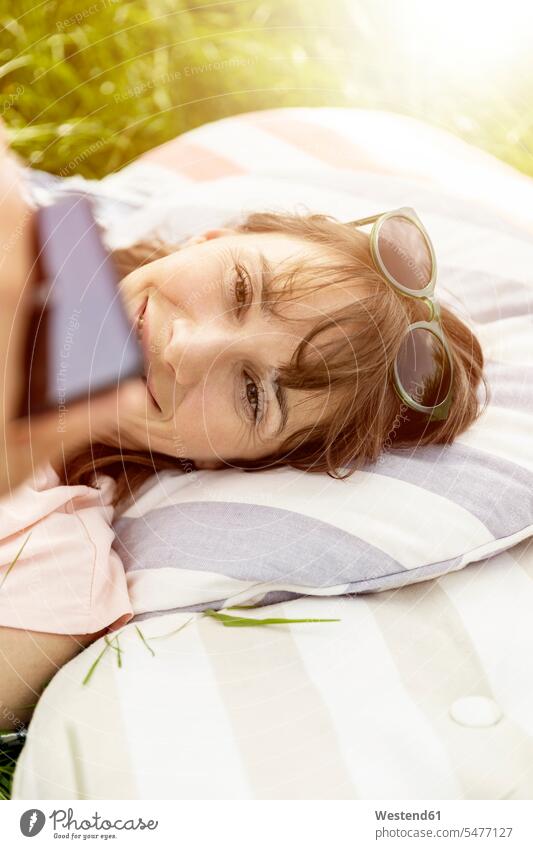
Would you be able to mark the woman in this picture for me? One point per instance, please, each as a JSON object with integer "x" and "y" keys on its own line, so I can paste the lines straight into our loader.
{"x": 269, "y": 343}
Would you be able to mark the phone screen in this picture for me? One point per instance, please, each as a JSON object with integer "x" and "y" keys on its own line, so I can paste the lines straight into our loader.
{"x": 80, "y": 339}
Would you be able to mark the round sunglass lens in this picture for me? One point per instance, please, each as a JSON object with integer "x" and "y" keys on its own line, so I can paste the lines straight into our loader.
{"x": 405, "y": 253}
{"x": 424, "y": 368}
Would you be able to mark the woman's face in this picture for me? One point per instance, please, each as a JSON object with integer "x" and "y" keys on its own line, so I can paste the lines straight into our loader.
{"x": 212, "y": 348}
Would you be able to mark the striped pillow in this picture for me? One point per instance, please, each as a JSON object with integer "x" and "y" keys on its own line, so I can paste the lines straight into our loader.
{"x": 228, "y": 537}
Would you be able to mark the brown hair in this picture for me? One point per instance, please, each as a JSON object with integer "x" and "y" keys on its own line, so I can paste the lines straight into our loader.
{"x": 349, "y": 355}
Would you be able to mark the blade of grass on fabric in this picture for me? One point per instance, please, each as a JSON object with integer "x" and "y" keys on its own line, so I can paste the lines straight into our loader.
{"x": 110, "y": 646}
{"x": 95, "y": 664}
{"x": 143, "y": 638}
{"x": 225, "y": 618}
{"x": 115, "y": 648}
{"x": 248, "y": 622}
{"x": 119, "y": 654}
{"x": 19, "y": 552}
{"x": 171, "y": 634}
{"x": 243, "y": 607}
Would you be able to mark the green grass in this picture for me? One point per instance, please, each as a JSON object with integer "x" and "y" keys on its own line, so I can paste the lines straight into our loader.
{"x": 7, "y": 767}
{"x": 89, "y": 95}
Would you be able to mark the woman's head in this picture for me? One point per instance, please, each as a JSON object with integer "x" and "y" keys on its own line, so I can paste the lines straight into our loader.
{"x": 219, "y": 326}
{"x": 273, "y": 342}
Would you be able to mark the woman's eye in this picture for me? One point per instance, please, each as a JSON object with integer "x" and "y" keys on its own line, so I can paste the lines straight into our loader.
{"x": 241, "y": 287}
{"x": 253, "y": 396}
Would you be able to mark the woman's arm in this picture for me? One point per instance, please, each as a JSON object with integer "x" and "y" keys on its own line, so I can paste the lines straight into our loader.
{"x": 27, "y": 443}
{"x": 28, "y": 660}
{"x": 16, "y": 272}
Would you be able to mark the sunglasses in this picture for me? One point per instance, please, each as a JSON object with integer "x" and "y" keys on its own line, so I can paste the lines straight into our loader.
{"x": 403, "y": 254}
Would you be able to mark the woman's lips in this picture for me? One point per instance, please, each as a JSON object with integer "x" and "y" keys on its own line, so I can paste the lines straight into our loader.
{"x": 152, "y": 396}
{"x": 143, "y": 335}
{"x": 139, "y": 318}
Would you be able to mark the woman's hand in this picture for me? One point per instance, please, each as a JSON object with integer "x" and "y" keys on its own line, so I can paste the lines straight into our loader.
{"x": 29, "y": 443}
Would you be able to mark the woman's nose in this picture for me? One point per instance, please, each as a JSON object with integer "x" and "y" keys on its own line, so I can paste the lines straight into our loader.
{"x": 194, "y": 348}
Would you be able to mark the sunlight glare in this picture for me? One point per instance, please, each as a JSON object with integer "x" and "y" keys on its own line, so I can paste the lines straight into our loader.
{"x": 462, "y": 37}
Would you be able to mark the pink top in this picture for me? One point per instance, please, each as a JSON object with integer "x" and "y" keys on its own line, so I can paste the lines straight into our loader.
{"x": 68, "y": 579}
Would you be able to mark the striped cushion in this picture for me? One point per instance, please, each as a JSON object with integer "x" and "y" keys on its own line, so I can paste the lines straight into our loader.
{"x": 220, "y": 538}
{"x": 418, "y": 694}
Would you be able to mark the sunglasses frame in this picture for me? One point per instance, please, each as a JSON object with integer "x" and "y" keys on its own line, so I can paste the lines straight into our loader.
{"x": 439, "y": 412}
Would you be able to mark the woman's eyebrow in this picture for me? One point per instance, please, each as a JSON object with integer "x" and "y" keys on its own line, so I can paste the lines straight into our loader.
{"x": 281, "y": 398}
{"x": 266, "y": 276}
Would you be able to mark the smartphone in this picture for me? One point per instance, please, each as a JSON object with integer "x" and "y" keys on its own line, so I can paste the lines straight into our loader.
{"x": 80, "y": 340}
